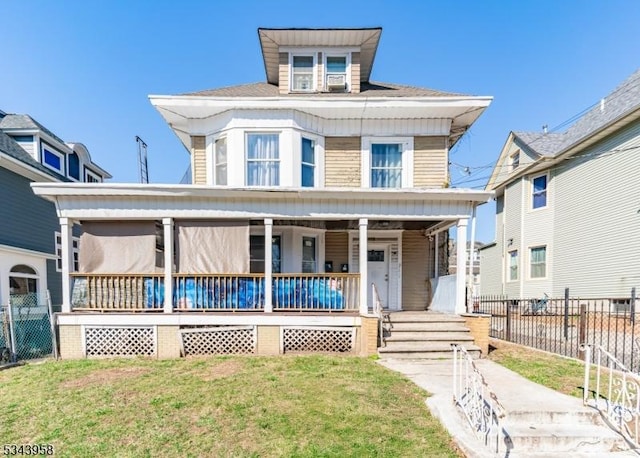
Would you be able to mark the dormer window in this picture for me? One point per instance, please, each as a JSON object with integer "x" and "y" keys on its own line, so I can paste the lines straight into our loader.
{"x": 302, "y": 71}
{"x": 336, "y": 73}
{"x": 53, "y": 159}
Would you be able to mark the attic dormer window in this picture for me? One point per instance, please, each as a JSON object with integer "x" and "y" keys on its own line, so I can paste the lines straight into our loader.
{"x": 302, "y": 70}
{"x": 336, "y": 73}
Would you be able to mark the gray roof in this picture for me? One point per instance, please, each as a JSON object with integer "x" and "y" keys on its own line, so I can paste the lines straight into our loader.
{"x": 622, "y": 101}
{"x": 11, "y": 148}
{"x": 22, "y": 121}
{"x": 372, "y": 89}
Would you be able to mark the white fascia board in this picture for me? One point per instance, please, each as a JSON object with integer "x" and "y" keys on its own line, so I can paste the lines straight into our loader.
{"x": 24, "y": 251}
{"x": 56, "y": 190}
{"x": 23, "y": 169}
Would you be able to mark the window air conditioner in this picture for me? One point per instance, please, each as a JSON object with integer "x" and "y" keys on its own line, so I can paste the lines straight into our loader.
{"x": 336, "y": 82}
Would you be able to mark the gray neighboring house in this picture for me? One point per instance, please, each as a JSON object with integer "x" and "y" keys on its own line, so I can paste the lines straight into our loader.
{"x": 568, "y": 206}
{"x": 30, "y": 243}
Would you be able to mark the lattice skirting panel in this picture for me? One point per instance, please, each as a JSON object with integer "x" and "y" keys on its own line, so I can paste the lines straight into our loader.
{"x": 221, "y": 340}
{"x": 119, "y": 341}
{"x": 318, "y": 339}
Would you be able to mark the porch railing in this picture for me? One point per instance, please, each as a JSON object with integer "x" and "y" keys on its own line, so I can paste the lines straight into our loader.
{"x": 615, "y": 392}
{"x": 113, "y": 292}
{"x": 321, "y": 292}
{"x": 216, "y": 292}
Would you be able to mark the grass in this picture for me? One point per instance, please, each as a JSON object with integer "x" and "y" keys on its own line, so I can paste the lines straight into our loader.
{"x": 305, "y": 406}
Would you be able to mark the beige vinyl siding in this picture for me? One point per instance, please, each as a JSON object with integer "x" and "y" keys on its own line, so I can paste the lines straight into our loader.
{"x": 198, "y": 152}
{"x": 336, "y": 249}
{"x": 512, "y": 218}
{"x": 342, "y": 162}
{"x": 355, "y": 72}
{"x": 320, "y": 72}
{"x": 283, "y": 73}
{"x": 597, "y": 230}
{"x": 416, "y": 259}
{"x": 430, "y": 162}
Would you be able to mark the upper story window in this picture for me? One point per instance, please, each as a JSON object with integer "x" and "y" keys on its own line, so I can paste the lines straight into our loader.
{"x": 74, "y": 166}
{"x": 539, "y": 192}
{"x": 513, "y": 265}
{"x": 220, "y": 161}
{"x": 91, "y": 177}
{"x": 302, "y": 72}
{"x": 52, "y": 159}
{"x": 308, "y": 162}
{"x": 263, "y": 159}
{"x": 386, "y": 165}
{"x": 336, "y": 72}
{"x": 514, "y": 161}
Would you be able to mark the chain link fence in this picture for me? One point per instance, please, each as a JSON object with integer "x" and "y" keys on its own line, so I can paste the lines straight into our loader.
{"x": 27, "y": 331}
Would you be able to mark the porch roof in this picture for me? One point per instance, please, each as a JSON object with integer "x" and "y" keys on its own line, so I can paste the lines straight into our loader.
{"x": 146, "y": 201}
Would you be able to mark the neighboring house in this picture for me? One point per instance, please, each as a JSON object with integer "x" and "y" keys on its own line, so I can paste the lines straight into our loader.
{"x": 567, "y": 206}
{"x": 30, "y": 242}
{"x": 473, "y": 280}
{"x": 307, "y": 189}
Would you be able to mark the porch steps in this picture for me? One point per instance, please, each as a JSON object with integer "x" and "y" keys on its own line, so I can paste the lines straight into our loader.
{"x": 424, "y": 335}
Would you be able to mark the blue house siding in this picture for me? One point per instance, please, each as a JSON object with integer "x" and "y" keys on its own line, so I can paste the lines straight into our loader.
{"x": 54, "y": 282}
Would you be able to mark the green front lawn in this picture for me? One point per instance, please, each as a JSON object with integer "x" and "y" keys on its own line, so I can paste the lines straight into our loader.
{"x": 225, "y": 406}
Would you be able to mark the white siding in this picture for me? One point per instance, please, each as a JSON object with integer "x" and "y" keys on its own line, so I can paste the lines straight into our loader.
{"x": 597, "y": 232}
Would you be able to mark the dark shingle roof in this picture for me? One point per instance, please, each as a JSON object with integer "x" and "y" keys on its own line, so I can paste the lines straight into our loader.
{"x": 11, "y": 148}
{"x": 372, "y": 89}
{"x": 22, "y": 121}
{"x": 622, "y": 101}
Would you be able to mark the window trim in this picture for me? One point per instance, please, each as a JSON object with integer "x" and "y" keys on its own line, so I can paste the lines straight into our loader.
{"x": 75, "y": 251}
{"x": 314, "y": 76}
{"x": 89, "y": 173}
{"x": 314, "y": 164}
{"x": 532, "y": 193}
{"x": 517, "y": 266}
{"x": 546, "y": 262}
{"x": 63, "y": 161}
{"x": 316, "y": 254}
{"x": 347, "y": 77}
{"x": 407, "y": 159}
{"x": 260, "y": 233}
{"x": 513, "y": 164}
{"x": 246, "y": 156}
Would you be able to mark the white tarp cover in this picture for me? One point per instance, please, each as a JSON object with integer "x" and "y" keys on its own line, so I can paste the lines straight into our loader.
{"x": 118, "y": 247}
{"x": 212, "y": 247}
{"x": 444, "y": 294}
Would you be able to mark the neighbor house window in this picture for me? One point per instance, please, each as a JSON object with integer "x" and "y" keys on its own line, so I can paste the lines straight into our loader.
{"x": 513, "y": 265}
{"x": 539, "y": 192}
{"x": 308, "y": 254}
{"x": 220, "y": 161}
{"x": 515, "y": 160}
{"x": 23, "y": 280}
{"x": 75, "y": 250}
{"x": 302, "y": 73}
{"x": 52, "y": 159}
{"x": 263, "y": 160}
{"x": 336, "y": 72}
{"x": 256, "y": 254}
{"x": 386, "y": 165}
{"x": 91, "y": 177}
{"x": 74, "y": 166}
{"x": 308, "y": 162}
{"x": 539, "y": 262}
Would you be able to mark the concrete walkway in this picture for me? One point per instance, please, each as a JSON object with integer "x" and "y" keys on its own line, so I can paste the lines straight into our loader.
{"x": 540, "y": 422}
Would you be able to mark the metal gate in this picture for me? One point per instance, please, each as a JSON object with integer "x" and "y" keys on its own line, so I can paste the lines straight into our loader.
{"x": 26, "y": 330}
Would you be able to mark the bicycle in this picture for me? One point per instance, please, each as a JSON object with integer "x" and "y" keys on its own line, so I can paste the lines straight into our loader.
{"x": 539, "y": 306}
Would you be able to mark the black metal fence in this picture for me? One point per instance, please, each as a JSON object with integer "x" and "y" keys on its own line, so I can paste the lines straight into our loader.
{"x": 561, "y": 325}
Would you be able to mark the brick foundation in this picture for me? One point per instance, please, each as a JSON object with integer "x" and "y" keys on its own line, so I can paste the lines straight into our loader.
{"x": 479, "y": 324}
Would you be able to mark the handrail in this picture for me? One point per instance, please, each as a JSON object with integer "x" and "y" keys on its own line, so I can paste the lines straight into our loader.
{"x": 476, "y": 399}
{"x": 378, "y": 311}
{"x": 619, "y": 401}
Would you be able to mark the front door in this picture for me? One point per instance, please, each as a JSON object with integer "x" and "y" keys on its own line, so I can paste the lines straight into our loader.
{"x": 378, "y": 271}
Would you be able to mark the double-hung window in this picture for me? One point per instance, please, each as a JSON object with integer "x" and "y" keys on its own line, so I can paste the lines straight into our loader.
{"x": 220, "y": 161}
{"x": 256, "y": 254}
{"x": 386, "y": 165}
{"x": 302, "y": 71}
{"x": 308, "y": 162}
{"x": 336, "y": 72}
{"x": 538, "y": 257}
{"x": 539, "y": 192}
{"x": 309, "y": 254}
{"x": 513, "y": 265}
{"x": 263, "y": 160}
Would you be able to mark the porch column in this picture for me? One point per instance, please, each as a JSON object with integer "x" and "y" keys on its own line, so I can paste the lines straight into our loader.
{"x": 268, "y": 264}
{"x": 461, "y": 271}
{"x": 436, "y": 264}
{"x": 66, "y": 234}
{"x": 362, "y": 260}
{"x": 167, "y": 224}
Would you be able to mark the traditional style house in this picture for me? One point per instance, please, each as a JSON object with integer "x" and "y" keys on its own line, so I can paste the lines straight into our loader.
{"x": 316, "y": 196}
{"x": 30, "y": 241}
{"x": 567, "y": 206}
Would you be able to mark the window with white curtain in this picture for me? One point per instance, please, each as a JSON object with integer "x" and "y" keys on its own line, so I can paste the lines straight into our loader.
{"x": 538, "y": 262}
{"x": 513, "y": 265}
{"x": 263, "y": 160}
{"x": 302, "y": 73}
{"x": 386, "y": 165}
{"x": 308, "y": 162}
{"x": 220, "y": 161}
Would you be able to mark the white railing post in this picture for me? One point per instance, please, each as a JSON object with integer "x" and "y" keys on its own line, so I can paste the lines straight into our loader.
{"x": 364, "y": 288}
{"x": 268, "y": 264}
{"x": 587, "y": 370}
{"x": 66, "y": 235}
{"x": 167, "y": 224}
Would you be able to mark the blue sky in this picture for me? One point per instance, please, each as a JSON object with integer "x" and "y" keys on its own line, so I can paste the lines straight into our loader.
{"x": 85, "y": 68}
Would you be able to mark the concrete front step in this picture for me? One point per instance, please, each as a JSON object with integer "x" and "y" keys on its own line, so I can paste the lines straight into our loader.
{"x": 420, "y": 327}
{"x": 545, "y": 417}
{"x": 415, "y": 336}
{"x": 423, "y": 317}
{"x": 562, "y": 438}
{"x": 424, "y": 350}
